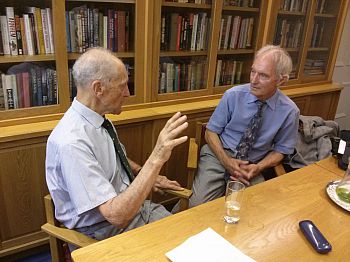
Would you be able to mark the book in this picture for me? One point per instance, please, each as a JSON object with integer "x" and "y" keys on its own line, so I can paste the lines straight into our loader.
{"x": 105, "y": 31}
{"x": 2, "y": 101}
{"x": 72, "y": 32}
{"x": 45, "y": 31}
{"x": 1, "y": 45}
{"x": 50, "y": 31}
{"x": 19, "y": 35}
{"x": 10, "y": 91}
{"x": 26, "y": 89}
{"x": 34, "y": 17}
{"x": 36, "y": 44}
{"x": 11, "y": 25}
{"x": 28, "y": 34}
{"x": 19, "y": 82}
{"x": 218, "y": 72}
{"x": 121, "y": 31}
{"x": 173, "y": 31}
{"x": 5, "y": 35}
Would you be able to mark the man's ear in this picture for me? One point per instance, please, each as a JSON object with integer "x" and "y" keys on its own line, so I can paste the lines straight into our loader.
{"x": 283, "y": 79}
{"x": 97, "y": 87}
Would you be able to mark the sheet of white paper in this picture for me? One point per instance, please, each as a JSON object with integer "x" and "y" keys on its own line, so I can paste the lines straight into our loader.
{"x": 207, "y": 246}
{"x": 342, "y": 145}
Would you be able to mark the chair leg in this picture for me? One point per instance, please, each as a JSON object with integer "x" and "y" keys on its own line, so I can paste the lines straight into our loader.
{"x": 56, "y": 248}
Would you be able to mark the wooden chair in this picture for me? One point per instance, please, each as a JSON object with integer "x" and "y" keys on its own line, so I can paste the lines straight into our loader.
{"x": 192, "y": 163}
{"x": 59, "y": 235}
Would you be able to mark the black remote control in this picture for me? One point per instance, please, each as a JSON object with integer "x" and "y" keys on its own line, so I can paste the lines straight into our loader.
{"x": 315, "y": 237}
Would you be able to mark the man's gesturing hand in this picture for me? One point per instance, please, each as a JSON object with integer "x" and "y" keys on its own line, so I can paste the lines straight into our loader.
{"x": 167, "y": 138}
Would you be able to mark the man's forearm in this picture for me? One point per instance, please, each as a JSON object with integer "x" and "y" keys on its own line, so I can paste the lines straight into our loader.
{"x": 135, "y": 168}
{"x": 215, "y": 145}
{"x": 270, "y": 160}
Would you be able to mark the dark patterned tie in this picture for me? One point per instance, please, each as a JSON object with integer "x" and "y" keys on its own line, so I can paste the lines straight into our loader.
{"x": 118, "y": 149}
{"x": 248, "y": 138}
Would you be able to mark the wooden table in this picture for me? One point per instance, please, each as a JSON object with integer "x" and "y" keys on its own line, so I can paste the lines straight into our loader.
{"x": 268, "y": 230}
{"x": 331, "y": 164}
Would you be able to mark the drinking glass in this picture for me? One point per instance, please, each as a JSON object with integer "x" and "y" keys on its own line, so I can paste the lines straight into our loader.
{"x": 233, "y": 201}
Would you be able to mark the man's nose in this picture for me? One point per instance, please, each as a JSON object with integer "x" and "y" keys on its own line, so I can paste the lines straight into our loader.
{"x": 254, "y": 77}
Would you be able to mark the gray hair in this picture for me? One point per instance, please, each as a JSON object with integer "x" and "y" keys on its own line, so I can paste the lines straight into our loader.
{"x": 280, "y": 57}
{"x": 95, "y": 64}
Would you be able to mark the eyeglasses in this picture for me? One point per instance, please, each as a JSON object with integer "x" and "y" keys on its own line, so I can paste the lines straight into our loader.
{"x": 260, "y": 76}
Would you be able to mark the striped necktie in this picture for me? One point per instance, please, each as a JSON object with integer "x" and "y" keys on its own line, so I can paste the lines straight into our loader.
{"x": 118, "y": 149}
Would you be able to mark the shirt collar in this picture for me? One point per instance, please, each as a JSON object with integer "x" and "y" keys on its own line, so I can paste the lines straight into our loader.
{"x": 271, "y": 102}
{"x": 90, "y": 115}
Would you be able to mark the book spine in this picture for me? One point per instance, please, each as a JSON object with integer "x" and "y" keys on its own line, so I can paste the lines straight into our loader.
{"x": 105, "y": 32}
{"x": 1, "y": 47}
{"x": 34, "y": 33}
{"x": 26, "y": 89}
{"x": 2, "y": 100}
{"x": 40, "y": 34}
{"x": 121, "y": 31}
{"x": 19, "y": 35}
{"x": 50, "y": 31}
{"x": 12, "y": 30}
{"x": 45, "y": 31}
{"x": 5, "y": 35}
{"x": 28, "y": 34}
{"x": 72, "y": 32}
{"x": 20, "y": 94}
{"x": 96, "y": 27}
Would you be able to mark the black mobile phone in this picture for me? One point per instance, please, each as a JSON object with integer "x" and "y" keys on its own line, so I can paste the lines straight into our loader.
{"x": 315, "y": 237}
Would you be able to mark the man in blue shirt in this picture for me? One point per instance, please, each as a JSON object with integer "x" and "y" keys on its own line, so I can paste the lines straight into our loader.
{"x": 88, "y": 181}
{"x": 276, "y": 136}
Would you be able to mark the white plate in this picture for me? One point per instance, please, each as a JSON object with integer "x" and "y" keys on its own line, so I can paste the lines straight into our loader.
{"x": 330, "y": 189}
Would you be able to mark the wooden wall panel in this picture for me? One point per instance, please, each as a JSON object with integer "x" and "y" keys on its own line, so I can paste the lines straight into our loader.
{"x": 23, "y": 186}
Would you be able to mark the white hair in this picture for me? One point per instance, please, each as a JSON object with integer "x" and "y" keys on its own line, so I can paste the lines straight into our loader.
{"x": 280, "y": 57}
{"x": 95, "y": 64}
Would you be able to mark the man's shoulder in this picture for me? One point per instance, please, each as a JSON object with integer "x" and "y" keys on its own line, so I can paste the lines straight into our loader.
{"x": 238, "y": 90}
{"x": 285, "y": 101}
{"x": 67, "y": 129}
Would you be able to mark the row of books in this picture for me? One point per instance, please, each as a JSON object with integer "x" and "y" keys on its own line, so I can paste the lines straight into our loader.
{"x": 37, "y": 87}
{"x": 241, "y": 3}
{"x": 27, "y": 34}
{"x": 288, "y": 33}
{"x": 191, "y": 1}
{"x": 321, "y": 6}
{"x": 184, "y": 31}
{"x": 317, "y": 33}
{"x": 236, "y": 32}
{"x": 294, "y": 5}
{"x": 91, "y": 27}
{"x": 228, "y": 72}
{"x": 177, "y": 77}
{"x": 314, "y": 66}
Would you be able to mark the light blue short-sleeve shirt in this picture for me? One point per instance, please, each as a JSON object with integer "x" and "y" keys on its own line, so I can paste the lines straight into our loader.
{"x": 82, "y": 171}
{"x": 279, "y": 127}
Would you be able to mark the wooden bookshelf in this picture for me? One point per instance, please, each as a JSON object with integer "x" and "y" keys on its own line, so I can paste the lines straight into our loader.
{"x": 24, "y": 131}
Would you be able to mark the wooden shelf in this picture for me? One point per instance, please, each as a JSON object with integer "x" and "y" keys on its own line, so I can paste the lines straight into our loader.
{"x": 186, "y": 5}
{"x": 325, "y": 15}
{"x": 75, "y": 56}
{"x": 291, "y": 13}
{"x": 240, "y": 9}
{"x": 318, "y": 49}
{"x": 26, "y": 58}
{"x": 235, "y": 51}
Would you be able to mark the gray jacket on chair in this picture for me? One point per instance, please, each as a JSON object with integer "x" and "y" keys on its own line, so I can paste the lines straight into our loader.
{"x": 314, "y": 142}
